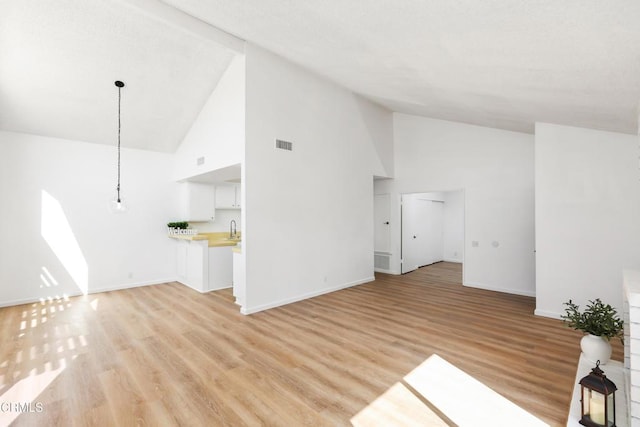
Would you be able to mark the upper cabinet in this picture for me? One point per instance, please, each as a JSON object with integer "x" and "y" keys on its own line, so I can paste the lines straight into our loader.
{"x": 228, "y": 196}
{"x": 197, "y": 202}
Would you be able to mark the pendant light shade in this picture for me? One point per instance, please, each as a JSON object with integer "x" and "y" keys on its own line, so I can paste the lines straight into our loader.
{"x": 117, "y": 205}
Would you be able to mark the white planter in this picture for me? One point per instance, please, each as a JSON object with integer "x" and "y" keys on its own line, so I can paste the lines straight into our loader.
{"x": 596, "y": 348}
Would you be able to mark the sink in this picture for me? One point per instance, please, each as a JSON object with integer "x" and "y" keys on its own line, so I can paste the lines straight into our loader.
{"x": 233, "y": 239}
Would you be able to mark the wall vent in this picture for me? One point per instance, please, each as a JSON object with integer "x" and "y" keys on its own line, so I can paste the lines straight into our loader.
{"x": 381, "y": 261}
{"x": 284, "y": 145}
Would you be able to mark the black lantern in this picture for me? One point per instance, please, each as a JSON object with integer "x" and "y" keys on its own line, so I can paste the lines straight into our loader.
{"x": 598, "y": 399}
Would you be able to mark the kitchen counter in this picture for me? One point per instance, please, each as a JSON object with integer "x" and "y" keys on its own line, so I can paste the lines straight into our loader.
{"x": 215, "y": 239}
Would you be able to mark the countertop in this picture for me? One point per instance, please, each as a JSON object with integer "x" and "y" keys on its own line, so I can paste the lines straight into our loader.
{"x": 215, "y": 239}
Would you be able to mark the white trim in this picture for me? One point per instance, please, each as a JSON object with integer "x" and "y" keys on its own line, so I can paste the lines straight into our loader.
{"x": 23, "y": 301}
{"x": 92, "y": 291}
{"x": 133, "y": 285}
{"x": 503, "y": 290}
{"x": 251, "y": 310}
{"x": 455, "y": 260}
{"x": 380, "y": 270}
{"x": 201, "y": 291}
{"x": 544, "y": 313}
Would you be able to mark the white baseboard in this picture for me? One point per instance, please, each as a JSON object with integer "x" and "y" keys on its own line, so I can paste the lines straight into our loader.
{"x": 380, "y": 270}
{"x": 66, "y": 295}
{"x": 251, "y": 310}
{"x": 22, "y": 301}
{"x": 455, "y": 260}
{"x": 133, "y": 285}
{"x": 544, "y": 313}
{"x": 503, "y": 290}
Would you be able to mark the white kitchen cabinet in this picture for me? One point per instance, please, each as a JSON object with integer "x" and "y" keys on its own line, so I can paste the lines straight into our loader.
{"x": 191, "y": 260}
{"x": 181, "y": 257}
{"x": 220, "y": 268}
{"x": 228, "y": 196}
{"x": 197, "y": 201}
{"x": 204, "y": 268}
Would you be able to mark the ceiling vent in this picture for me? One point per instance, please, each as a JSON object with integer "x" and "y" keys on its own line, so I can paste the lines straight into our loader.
{"x": 284, "y": 145}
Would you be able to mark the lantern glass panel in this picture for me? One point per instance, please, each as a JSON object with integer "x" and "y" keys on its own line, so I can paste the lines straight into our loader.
{"x": 611, "y": 415}
{"x": 596, "y": 408}
{"x": 586, "y": 399}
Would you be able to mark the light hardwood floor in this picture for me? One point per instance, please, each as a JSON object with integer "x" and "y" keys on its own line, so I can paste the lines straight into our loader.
{"x": 166, "y": 355}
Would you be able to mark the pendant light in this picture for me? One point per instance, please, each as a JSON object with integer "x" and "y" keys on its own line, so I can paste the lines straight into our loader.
{"x": 117, "y": 206}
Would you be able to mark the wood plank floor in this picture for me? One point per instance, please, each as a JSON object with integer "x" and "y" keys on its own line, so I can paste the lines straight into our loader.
{"x": 166, "y": 355}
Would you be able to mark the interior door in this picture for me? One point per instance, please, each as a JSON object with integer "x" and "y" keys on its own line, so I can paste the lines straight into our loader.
{"x": 435, "y": 232}
{"x": 415, "y": 230}
{"x": 422, "y": 232}
{"x": 381, "y": 231}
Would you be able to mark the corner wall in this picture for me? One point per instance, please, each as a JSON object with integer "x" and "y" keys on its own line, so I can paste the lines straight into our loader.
{"x": 587, "y": 215}
{"x": 217, "y": 135}
{"x": 308, "y": 226}
{"x": 495, "y": 169}
{"x": 58, "y": 236}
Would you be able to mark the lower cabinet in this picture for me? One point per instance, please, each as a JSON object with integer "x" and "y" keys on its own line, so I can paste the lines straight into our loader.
{"x": 203, "y": 268}
{"x": 220, "y": 268}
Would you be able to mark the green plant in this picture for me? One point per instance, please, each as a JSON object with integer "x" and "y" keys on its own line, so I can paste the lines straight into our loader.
{"x": 181, "y": 225}
{"x": 597, "y": 319}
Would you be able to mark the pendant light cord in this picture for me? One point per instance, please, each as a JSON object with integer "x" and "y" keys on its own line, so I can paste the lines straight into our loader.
{"x": 118, "y": 187}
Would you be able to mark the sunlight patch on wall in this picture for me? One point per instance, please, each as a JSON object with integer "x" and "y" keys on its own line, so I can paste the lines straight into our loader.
{"x": 47, "y": 279}
{"x": 57, "y": 232}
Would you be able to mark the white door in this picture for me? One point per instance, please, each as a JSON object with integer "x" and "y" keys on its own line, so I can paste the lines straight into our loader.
{"x": 414, "y": 232}
{"x": 422, "y": 232}
{"x": 381, "y": 230}
{"x": 435, "y": 232}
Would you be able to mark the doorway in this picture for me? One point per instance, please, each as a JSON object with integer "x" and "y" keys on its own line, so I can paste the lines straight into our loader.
{"x": 431, "y": 229}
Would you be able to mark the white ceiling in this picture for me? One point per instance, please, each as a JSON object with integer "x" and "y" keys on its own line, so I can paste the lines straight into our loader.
{"x": 498, "y": 63}
{"x": 59, "y": 60}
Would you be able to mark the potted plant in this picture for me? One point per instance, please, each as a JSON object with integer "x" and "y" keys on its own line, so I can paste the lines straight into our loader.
{"x": 181, "y": 225}
{"x": 600, "y": 322}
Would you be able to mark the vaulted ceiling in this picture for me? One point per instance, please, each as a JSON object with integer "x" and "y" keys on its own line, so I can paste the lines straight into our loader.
{"x": 59, "y": 60}
{"x": 500, "y": 63}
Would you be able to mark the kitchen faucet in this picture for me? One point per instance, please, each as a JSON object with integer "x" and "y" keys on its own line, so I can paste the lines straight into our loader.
{"x": 232, "y": 229}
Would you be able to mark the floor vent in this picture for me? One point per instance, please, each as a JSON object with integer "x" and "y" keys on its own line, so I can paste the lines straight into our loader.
{"x": 284, "y": 145}
{"x": 381, "y": 261}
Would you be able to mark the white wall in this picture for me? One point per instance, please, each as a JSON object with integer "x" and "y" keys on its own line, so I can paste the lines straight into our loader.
{"x": 587, "y": 215}
{"x": 309, "y": 212}
{"x": 453, "y": 226}
{"x": 58, "y": 236}
{"x": 495, "y": 169}
{"x": 221, "y": 222}
{"x": 218, "y": 132}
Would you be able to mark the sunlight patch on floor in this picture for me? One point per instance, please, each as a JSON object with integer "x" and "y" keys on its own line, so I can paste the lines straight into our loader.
{"x": 436, "y": 393}
{"x": 26, "y": 391}
{"x": 397, "y": 406}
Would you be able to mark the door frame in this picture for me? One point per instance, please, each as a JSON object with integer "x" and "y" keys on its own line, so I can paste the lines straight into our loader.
{"x": 464, "y": 225}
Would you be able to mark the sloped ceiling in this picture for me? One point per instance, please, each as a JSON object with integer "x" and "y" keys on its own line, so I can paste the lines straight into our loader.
{"x": 498, "y": 63}
{"x": 59, "y": 60}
